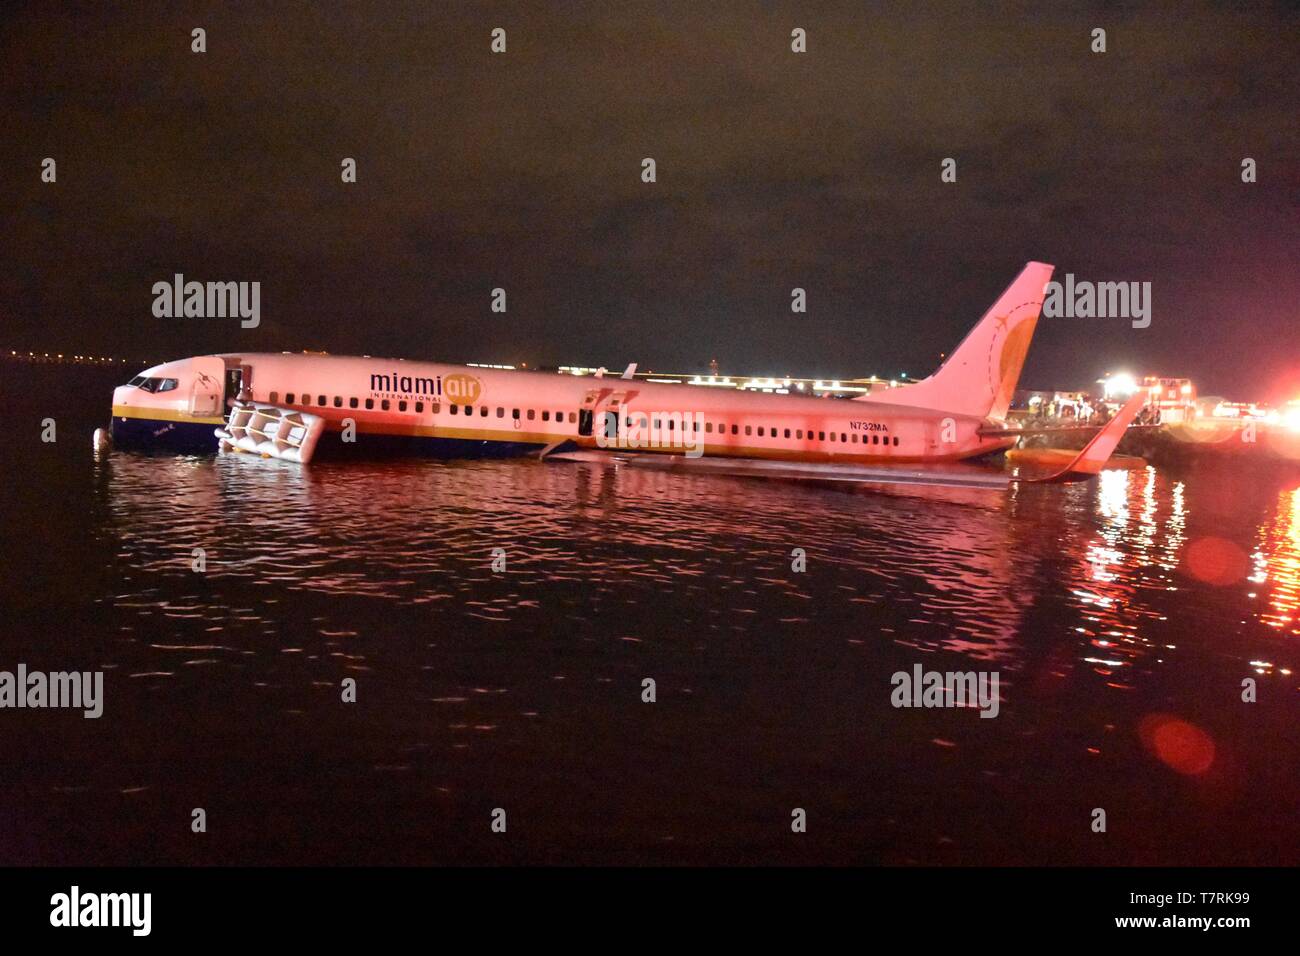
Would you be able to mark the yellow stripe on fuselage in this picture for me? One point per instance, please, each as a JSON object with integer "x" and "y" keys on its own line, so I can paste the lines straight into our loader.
{"x": 163, "y": 415}
{"x": 367, "y": 427}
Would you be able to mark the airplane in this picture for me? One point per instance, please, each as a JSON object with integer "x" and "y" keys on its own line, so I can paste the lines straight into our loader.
{"x": 918, "y": 433}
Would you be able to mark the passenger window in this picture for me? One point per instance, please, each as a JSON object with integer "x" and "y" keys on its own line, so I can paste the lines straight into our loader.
{"x": 875, "y": 439}
{"x": 708, "y": 427}
{"x": 419, "y": 407}
{"x": 735, "y": 429}
{"x": 436, "y": 408}
{"x": 843, "y": 437}
{"x": 273, "y": 397}
{"x": 384, "y": 404}
{"x": 453, "y": 409}
{"x": 821, "y": 436}
{"x": 895, "y": 441}
{"x": 749, "y": 430}
{"x": 855, "y": 438}
{"x": 798, "y": 433}
{"x": 352, "y": 402}
{"x": 288, "y": 399}
{"x": 546, "y": 414}
{"x": 401, "y": 406}
{"x": 760, "y": 431}
{"x": 322, "y": 401}
{"x": 573, "y": 417}
{"x": 531, "y": 414}
{"x": 370, "y": 403}
{"x": 338, "y": 401}
{"x": 832, "y": 436}
{"x": 501, "y": 412}
{"x": 787, "y": 433}
{"x": 483, "y": 412}
{"x": 514, "y": 413}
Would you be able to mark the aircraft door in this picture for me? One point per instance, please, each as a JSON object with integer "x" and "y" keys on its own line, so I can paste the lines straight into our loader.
{"x": 206, "y": 387}
{"x": 587, "y": 413}
{"x": 234, "y": 382}
{"x": 605, "y": 423}
{"x": 615, "y": 407}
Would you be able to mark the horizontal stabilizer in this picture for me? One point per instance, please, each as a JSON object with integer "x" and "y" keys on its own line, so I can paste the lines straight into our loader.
{"x": 1097, "y": 452}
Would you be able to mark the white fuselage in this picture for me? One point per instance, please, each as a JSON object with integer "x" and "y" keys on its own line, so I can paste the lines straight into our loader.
{"x": 464, "y": 410}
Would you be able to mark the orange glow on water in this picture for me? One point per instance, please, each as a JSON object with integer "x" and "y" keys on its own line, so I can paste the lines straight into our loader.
{"x": 1278, "y": 563}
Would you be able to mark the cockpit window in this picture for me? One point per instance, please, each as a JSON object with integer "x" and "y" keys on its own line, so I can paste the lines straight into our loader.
{"x": 154, "y": 384}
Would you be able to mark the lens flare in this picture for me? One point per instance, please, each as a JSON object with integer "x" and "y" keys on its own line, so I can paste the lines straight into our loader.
{"x": 1215, "y": 561}
{"x": 1180, "y": 746}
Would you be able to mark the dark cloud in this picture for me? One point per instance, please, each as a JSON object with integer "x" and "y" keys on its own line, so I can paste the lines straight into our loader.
{"x": 775, "y": 171}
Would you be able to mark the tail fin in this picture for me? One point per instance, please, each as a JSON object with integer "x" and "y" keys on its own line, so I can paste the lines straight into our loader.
{"x": 980, "y": 376}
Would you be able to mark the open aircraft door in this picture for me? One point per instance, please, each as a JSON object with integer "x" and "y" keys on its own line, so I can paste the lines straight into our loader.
{"x": 587, "y": 411}
{"x": 600, "y": 411}
{"x": 207, "y": 387}
{"x": 613, "y": 410}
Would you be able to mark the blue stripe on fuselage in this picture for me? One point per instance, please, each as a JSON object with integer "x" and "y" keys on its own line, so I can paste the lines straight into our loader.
{"x": 196, "y": 438}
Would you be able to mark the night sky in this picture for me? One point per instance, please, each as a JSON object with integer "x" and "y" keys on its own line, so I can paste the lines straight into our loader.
{"x": 775, "y": 170}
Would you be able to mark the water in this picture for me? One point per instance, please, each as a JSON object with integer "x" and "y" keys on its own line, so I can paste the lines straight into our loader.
{"x": 1120, "y": 659}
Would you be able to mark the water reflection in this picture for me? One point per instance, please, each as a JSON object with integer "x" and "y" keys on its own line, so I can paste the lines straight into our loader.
{"x": 1276, "y": 563}
{"x": 1121, "y": 661}
{"x": 662, "y": 557}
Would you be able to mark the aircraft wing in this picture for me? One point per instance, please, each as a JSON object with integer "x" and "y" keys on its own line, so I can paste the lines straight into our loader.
{"x": 965, "y": 476}
{"x": 1050, "y": 430}
{"x": 1087, "y": 463}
